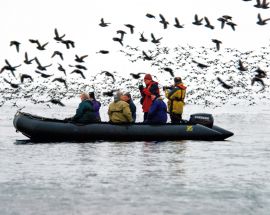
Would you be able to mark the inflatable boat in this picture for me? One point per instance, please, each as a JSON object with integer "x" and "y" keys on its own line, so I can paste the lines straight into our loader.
{"x": 40, "y": 129}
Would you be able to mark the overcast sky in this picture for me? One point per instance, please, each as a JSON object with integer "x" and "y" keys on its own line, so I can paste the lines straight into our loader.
{"x": 79, "y": 19}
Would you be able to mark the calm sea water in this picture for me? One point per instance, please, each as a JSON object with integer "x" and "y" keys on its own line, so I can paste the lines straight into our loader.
{"x": 183, "y": 177}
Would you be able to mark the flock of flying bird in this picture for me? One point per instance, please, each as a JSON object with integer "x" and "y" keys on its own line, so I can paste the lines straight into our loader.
{"x": 198, "y": 21}
{"x": 190, "y": 59}
{"x": 41, "y": 67}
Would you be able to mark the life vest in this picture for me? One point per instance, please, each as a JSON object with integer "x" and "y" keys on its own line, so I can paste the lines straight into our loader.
{"x": 176, "y": 99}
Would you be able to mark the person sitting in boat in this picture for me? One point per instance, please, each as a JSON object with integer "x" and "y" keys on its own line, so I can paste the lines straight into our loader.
{"x": 96, "y": 105}
{"x": 85, "y": 112}
{"x": 158, "y": 111}
{"x": 127, "y": 98}
{"x": 146, "y": 92}
{"x": 119, "y": 111}
{"x": 176, "y": 95}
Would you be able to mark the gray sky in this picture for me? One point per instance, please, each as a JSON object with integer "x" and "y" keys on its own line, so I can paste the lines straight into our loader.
{"x": 79, "y": 19}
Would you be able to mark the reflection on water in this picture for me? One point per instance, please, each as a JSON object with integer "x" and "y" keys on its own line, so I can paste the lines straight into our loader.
{"x": 183, "y": 177}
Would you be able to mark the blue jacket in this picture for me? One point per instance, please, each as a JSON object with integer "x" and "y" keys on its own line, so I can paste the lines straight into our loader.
{"x": 96, "y": 106}
{"x": 157, "y": 113}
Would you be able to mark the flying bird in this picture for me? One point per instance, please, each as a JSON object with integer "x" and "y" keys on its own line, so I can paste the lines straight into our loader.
{"x": 79, "y": 67}
{"x": 232, "y": 25}
{"x": 223, "y": 21}
{"x": 122, "y": 33}
{"x": 146, "y": 57}
{"x": 11, "y": 84}
{"x": 103, "y": 23}
{"x": 201, "y": 65}
{"x": 154, "y": 40}
{"x": 150, "y": 16}
{"x": 60, "y": 54}
{"x": 167, "y": 69}
{"x": 120, "y": 40}
{"x": 39, "y": 46}
{"x": 217, "y": 42}
{"x": 137, "y": 76}
{"x": 78, "y": 72}
{"x": 16, "y": 44}
{"x": 163, "y": 21}
{"x": 25, "y": 76}
{"x": 241, "y": 66}
{"x": 227, "y": 17}
{"x": 259, "y": 80}
{"x": 40, "y": 67}
{"x": 57, "y": 37}
{"x": 260, "y": 73}
{"x": 131, "y": 27}
{"x": 263, "y": 4}
{"x": 61, "y": 68}
{"x": 197, "y": 21}
{"x": 142, "y": 38}
{"x": 68, "y": 43}
{"x": 27, "y": 61}
{"x": 103, "y": 52}
{"x": 262, "y": 21}
{"x": 80, "y": 59}
{"x": 43, "y": 75}
{"x": 223, "y": 84}
{"x": 108, "y": 74}
{"x": 56, "y": 102}
{"x": 61, "y": 80}
{"x": 208, "y": 24}
{"x": 177, "y": 23}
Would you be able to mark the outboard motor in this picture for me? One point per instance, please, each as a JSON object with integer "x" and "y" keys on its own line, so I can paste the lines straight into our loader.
{"x": 204, "y": 119}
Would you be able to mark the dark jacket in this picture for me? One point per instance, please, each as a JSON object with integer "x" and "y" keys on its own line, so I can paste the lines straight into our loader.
{"x": 96, "y": 106}
{"x": 157, "y": 113}
{"x": 146, "y": 93}
{"x": 85, "y": 113}
{"x": 132, "y": 107}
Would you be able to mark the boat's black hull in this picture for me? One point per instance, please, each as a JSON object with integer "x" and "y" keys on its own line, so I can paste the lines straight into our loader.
{"x": 50, "y": 130}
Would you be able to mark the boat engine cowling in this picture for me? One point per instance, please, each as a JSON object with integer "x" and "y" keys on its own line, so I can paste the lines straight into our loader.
{"x": 204, "y": 119}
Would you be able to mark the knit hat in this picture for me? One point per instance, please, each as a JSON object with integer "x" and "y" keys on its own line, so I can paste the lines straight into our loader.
{"x": 177, "y": 80}
{"x": 148, "y": 77}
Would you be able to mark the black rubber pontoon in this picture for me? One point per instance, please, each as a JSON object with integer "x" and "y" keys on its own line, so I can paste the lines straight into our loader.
{"x": 40, "y": 129}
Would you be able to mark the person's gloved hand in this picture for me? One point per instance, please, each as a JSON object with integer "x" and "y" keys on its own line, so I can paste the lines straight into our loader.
{"x": 141, "y": 87}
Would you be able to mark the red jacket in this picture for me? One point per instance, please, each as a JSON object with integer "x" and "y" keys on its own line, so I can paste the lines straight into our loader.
{"x": 146, "y": 93}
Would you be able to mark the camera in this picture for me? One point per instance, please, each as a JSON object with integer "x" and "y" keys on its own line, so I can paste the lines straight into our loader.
{"x": 141, "y": 87}
{"x": 167, "y": 87}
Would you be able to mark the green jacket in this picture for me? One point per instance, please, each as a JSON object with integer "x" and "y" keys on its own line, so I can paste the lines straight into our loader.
{"x": 119, "y": 112}
{"x": 85, "y": 113}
